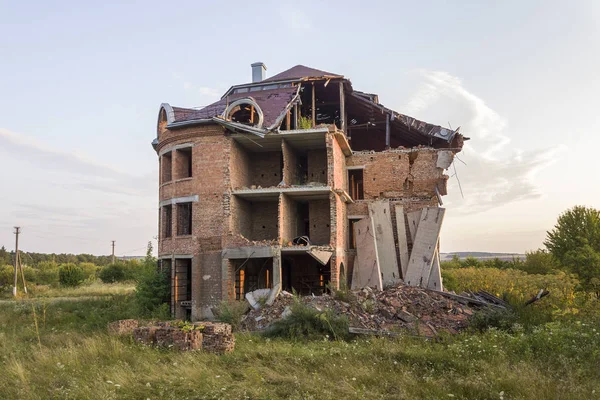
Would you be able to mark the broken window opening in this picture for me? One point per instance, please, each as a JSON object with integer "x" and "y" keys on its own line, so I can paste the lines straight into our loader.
{"x": 355, "y": 183}
{"x": 167, "y": 221}
{"x": 166, "y": 164}
{"x": 184, "y": 219}
{"x": 183, "y": 162}
{"x": 305, "y": 275}
{"x": 254, "y": 274}
{"x": 244, "y": 114}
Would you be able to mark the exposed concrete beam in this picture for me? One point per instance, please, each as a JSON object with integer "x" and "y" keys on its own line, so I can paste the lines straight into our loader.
{"x": 175, "y": 200}
{"x": 250, "y": 252}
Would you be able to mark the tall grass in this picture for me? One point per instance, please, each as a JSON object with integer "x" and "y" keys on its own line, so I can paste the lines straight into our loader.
{"x": 78, "y": 359}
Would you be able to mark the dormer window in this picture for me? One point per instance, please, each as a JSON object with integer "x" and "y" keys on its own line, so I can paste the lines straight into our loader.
{"x": 245, "y": 111}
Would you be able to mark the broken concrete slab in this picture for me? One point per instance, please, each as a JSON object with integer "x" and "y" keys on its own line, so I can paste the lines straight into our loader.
{"x": 402, "y": 238}
{"x": 413, "y": 223}
{"x": 444, "y": 159}
{"x": 425, "y": 246}
{"x": 255, "y": 297}
{"x": 366, "y": 271}
{"x": 322, "y": 256}
{"x": 435, "y": 276}
{"x": 381, "y": 221}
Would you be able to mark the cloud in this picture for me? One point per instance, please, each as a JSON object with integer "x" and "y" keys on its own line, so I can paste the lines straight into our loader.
{"x": 66, "y": 201}
{"x": 36, "y": 152}
{"x": 295, "y": 19}
{"x": 496, "y": 174}
{"x": 84, "y": 172}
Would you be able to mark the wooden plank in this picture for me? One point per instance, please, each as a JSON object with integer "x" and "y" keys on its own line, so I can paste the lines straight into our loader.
{"x": 387, "y": 131}
{"x": 413, "y": 223}
{"x": 424, "y": 246}
{"x": 366, "y": 264}
{"x": 381, "y": 220}
{"x": 314, "y": 110}
{"x": 342, "y": 108}
{"x": 402, "y": 239}
{"x": 467, "y": 300}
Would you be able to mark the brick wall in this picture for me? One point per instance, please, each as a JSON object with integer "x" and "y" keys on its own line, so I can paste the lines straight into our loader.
{"x": 239, "y": 166}
{"x": 320, "y": 222}
{"x": 241, "y": 217}
{"x": 265, "y": 220}
{"x": 398, "y": 173}
{"x": 317, "y": 165}
{"x": 290, "y": 163}
{"x": 288, "y": 220}
{"x": 266, "y": 168}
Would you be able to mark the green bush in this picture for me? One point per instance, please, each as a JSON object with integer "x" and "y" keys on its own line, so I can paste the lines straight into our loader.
{"x": 308, "y": 323}
{"x": 231, "y": 312}
{"x": 152, "y": 293}
{"x": 539, "y": 262}
{"x": 90, "y": 270}
{"x": 7, "y": 274}
{"x": 113, "y": 273}
{"x": 47, "y": 273}
{"x": 70, "y": 275}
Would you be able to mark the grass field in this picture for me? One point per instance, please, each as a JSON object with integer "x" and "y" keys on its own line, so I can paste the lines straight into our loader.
{"x": 76, "y": 359}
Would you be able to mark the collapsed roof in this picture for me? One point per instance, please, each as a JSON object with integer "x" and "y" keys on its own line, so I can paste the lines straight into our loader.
{"x": 302, "y": 93}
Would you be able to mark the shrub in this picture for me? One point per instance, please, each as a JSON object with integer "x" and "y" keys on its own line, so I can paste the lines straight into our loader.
{"x": 112, "y": 273}
{"x": 539, "y": 262}
{"x": 89, "y": 270}
{"x": 47, "y": 273}
{"x": 516, "y": 285}
{"x": 70, "y": 275}
{"x": 152, "y": 293}
{"x": 308, "y": 323}
{"x": 7, "y": 274}
{"x": 231, "y": 312}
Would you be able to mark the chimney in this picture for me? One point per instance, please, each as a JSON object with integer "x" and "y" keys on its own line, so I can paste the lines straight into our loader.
{"x": 259, "y": 72}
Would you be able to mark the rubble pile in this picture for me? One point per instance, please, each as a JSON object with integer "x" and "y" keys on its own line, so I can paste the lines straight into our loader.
{"x": 410, "y": 309}
{"x": 211, "y": 337}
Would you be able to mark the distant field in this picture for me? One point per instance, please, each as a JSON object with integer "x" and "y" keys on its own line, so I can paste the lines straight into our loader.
{"x": 76, "y": 359}
{"x": 481, "y": 255}
{"x": 92, "y": 290}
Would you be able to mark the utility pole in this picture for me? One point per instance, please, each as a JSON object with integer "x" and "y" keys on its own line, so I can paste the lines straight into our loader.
{"x": 113, "y": 251}
{"x": 17, "y": 231}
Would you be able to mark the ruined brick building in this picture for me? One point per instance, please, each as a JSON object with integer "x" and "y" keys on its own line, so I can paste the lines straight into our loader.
{"x": 299, "y": 154}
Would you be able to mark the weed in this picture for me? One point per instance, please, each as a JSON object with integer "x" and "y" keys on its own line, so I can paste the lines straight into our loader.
{"x": 308, "y": 323}
{"x": 231, "y": 312}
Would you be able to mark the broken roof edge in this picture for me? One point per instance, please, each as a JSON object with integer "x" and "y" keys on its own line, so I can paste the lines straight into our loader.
{"x": 443, "y": 133}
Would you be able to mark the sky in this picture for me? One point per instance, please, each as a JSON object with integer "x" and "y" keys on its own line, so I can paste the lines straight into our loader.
{"x": 81, "y": 84}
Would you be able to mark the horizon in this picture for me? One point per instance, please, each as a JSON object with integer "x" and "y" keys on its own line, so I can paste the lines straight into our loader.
{"x": 83, "y": 98}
